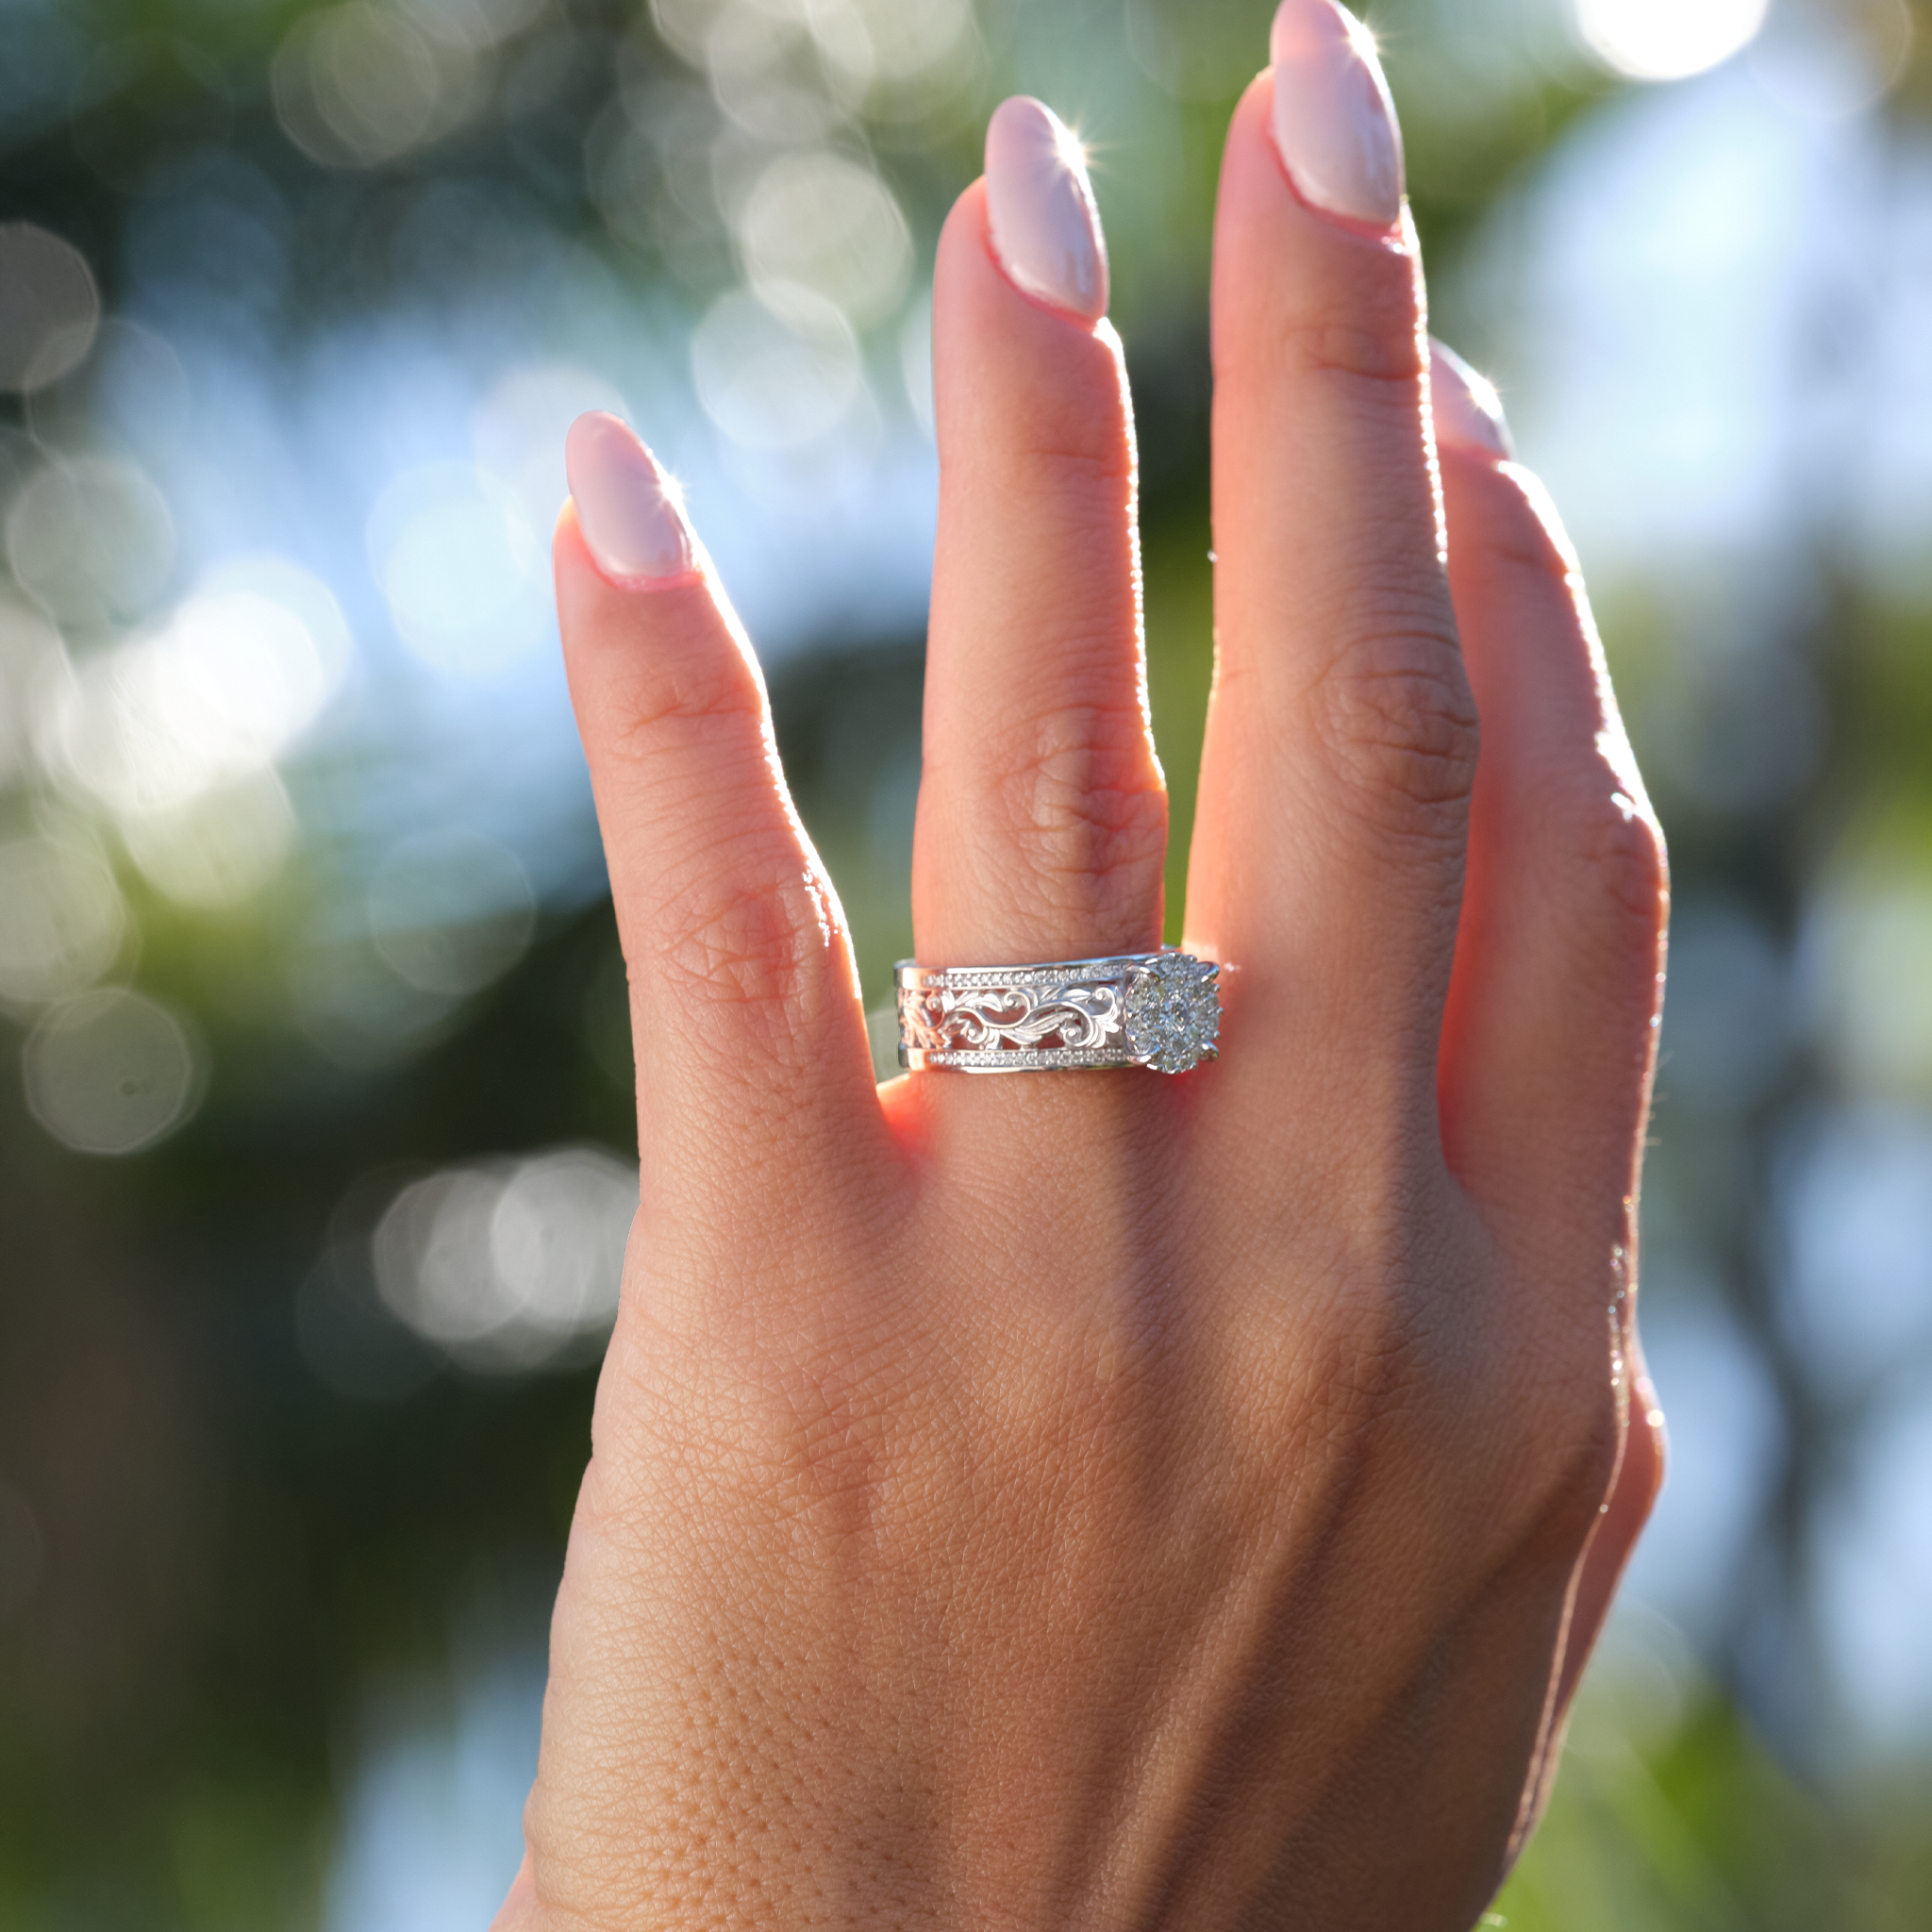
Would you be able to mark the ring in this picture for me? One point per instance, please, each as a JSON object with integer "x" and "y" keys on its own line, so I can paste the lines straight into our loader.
{"x": 1132, "y": 1010}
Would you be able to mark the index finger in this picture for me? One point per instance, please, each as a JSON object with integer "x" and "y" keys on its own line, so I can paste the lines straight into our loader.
{"x": 750, "y": 1037}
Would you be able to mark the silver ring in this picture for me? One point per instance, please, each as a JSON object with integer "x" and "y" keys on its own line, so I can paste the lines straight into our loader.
{"x": 1132, "y": 1010}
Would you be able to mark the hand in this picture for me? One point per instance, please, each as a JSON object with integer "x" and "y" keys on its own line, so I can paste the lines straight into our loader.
{"x": 1111, "y": 1500}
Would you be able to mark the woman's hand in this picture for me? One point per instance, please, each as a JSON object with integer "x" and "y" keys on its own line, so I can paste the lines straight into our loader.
{"x": 1115, "y": 1500}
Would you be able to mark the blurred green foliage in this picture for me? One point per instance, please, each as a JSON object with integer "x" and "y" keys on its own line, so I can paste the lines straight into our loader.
{"x": 240, "y": 1567}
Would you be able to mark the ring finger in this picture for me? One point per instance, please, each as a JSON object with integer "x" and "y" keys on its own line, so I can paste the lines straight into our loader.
{"x": 1042, "y": 814}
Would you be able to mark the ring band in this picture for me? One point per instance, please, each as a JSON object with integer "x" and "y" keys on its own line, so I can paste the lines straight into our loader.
{"x": 1130, "y": 1010}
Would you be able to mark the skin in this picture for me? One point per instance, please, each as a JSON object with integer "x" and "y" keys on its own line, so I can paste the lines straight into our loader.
{"x": 1110, "y": 1500}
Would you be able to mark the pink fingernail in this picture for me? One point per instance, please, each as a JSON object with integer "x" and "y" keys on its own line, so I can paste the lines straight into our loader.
{"x": 1468, "y": 410}
{"x": 1045, "y": 227}
{"x": 627, "y": 508}
{"x": 1334, "y": 125}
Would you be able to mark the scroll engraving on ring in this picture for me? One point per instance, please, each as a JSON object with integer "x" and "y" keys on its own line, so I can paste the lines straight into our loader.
{"x": 1158, "y": 1009}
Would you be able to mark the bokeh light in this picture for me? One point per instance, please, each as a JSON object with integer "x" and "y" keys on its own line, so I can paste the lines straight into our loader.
{"x": 111, "y": 1071}
{"x": 464, "y": 571}
{"x": 823, "y": 222}
{"x": 130, "y": 390}
{"x": 777, "y": 370}
{"x": 213, "y": 697}
{"x": 510, "y": 1266}
{"x": 517, "y": 430}
{"x": 93, "y": 540}
{"x": 357, "y": 85}
{"x": 1667, "y": 40}
{"x": 217, "y": 847}
{"x": 31, "y": 661}
{"x": 864, "y": 49}
{"x": 49, "y": 307}
{"x": 1830, "y": 60}
{"x": 63, "y": 923}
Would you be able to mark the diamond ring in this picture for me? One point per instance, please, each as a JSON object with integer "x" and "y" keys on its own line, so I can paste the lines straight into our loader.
{"x": 1132, "y": 1010}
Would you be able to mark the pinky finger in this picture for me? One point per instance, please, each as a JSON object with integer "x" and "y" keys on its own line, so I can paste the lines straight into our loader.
{"x": 1599, "y": 1571}
{"x": 1626, "y": 1509}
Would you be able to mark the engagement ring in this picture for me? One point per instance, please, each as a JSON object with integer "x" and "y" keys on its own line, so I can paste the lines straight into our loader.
{"x": 1134, "y": 1010}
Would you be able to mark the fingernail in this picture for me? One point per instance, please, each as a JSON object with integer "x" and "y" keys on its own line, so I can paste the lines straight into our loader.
{"x": 1045, "y": 227}
{"x": 1334, "y": 125}
{"x": 627, "y": 509}
{"x": 1468, "y": 410}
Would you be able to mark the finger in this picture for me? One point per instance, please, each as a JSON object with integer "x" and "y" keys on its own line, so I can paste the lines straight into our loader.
{"x": 520, "y": 1909}
{"x": 1626, "y": 1509}
{"x": 750, "y": 1037}
{"x": 1341, "y": 738}
{"x": 1549, "y": 1037}
{"x": 1599, "y": 1571}
{"x": 1042, "y": 815}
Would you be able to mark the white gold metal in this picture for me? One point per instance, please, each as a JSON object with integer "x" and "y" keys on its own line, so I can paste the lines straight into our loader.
{"x": 1130, "y": 1010}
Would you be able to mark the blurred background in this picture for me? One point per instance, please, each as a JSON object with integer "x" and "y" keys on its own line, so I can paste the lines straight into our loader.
{"x": 315, "y": 1142}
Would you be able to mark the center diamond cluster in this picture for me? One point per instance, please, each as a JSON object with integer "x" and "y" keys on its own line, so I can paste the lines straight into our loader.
{"x": 1173, "y": 1012}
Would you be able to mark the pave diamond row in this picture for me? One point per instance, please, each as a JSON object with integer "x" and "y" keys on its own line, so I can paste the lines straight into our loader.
{"x": 994, "y": 978}
{"x": 1021, "y": 1059}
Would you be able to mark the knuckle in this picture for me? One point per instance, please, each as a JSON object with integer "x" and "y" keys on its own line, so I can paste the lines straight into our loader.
{"x": 1523, "y": 530}
{"x": 1567, "y": 1445}
{"x": 1396, "y": 716}
{"x": 1377, "y": 342}
{"x": 1525, "y": 544}
{"x": 1365, "y": 326}
{"x": 1062, "y": 453}
{"x": 1586, "y": 1451}
{"x": 1615, "y": 904}
{"x": 1084, "y": 801}
{"x": 1062, "y": 412}
{"x": 1621, "y": 848}
{"x": 745, "y": 942}
{"x": 669, "y": 695}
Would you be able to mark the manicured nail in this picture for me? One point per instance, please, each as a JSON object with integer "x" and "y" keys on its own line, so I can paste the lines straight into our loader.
{"x": 1045, "y": 227}
{"x": 1334, "y": 125}
{"x": 1468, "y": 410}
{"x": 627, "y": 509}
